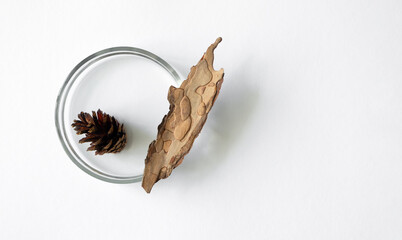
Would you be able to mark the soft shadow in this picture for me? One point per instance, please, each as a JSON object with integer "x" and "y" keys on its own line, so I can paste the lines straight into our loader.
{"x": 226, "y": 124}
{"x": 136, "y": 148}
{"x": 138, "y": 137}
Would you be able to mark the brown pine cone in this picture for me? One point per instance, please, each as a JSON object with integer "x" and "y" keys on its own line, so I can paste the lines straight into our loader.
{"x": 103, "y": 131}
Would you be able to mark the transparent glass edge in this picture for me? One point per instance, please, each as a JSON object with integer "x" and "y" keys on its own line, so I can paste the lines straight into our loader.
{"x": 62, "y": 96}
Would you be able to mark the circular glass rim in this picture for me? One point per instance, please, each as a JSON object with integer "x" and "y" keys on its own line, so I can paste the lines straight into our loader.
{"x": 65, "y": 89}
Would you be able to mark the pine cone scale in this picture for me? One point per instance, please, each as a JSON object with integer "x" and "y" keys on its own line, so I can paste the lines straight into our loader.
{"x": 104, "y": 132}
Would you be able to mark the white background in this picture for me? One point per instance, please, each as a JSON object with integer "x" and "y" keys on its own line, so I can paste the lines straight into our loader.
{"x": 304, "y": 141}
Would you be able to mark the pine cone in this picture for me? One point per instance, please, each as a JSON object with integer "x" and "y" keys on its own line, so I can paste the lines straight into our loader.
{"x": 103, "y": 131}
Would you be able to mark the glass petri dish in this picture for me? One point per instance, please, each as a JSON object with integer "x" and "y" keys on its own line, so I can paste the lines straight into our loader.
{"x": 128, "y": 83}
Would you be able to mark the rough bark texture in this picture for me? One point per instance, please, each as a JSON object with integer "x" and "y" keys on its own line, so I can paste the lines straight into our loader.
{"x": 189, "y": 108}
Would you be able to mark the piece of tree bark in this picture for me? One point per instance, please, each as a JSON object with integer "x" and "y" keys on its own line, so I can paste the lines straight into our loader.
{"x": 189, "y": 108}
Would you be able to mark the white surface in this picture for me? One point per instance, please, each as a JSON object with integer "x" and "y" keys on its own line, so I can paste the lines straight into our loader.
{"x": 124, "y": 86}
{"x": 304, "y": 141}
